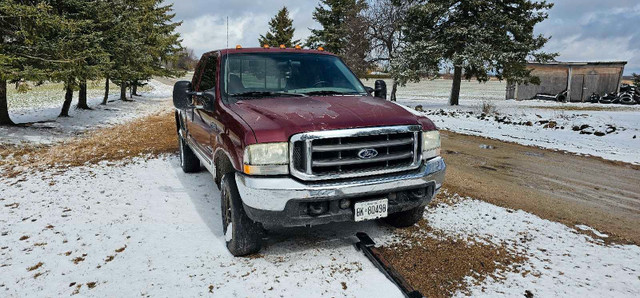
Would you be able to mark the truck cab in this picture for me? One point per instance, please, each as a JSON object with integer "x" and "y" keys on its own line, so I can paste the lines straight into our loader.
{"x": 293, "y": 138}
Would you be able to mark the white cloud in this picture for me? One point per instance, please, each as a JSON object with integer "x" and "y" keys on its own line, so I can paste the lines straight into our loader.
{"x": 209, "y": 32}
{"x": 590, "y": 30}
{"x": 204, "y": 29}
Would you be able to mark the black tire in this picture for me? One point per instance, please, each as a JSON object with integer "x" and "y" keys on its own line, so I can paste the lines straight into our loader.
{"x": 189, "y": 162}
{"x": 405, "y": 218}
{"x": 245, "y": 237}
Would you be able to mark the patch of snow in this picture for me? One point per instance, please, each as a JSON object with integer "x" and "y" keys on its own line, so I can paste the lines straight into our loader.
{"x": 590, "y": 229}
{"x": 562, "y": 261}
{"x": 147, "y": 228}
{"x": 623, "y": 144}
{"x": 158, "y": 89}
{"x": 48, "y": 128}
{"x": 229, "y": 234}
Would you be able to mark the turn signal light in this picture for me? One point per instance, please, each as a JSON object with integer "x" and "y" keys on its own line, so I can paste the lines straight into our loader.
{"x": 238, "y": 47}
{"x": 266, "y": 46}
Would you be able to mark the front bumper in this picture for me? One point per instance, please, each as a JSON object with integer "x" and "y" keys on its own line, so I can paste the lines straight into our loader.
{"x": 283, "y": 201}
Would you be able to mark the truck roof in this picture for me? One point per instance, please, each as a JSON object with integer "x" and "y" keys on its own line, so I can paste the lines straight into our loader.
{"x": 269, "y": 50}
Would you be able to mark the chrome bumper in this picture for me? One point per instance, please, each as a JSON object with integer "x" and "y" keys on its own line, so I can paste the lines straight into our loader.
{"x": 273, "y": 193}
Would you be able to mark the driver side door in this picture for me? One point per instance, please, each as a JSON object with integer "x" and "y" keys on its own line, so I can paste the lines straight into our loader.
{"x": 202, "y": 128}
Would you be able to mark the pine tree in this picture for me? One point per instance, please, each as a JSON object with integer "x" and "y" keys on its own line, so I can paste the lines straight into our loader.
{"x": 343, "y": 31}
{"x": 79, "y": 43}
{"x": 280, "y": 31}
{"x": 31, "y": 33}
{"x": 146, "y": 41}
{"x": 477, "y": 37}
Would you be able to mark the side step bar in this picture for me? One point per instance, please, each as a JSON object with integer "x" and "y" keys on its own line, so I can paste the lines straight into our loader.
{"x": 367, "y": 246}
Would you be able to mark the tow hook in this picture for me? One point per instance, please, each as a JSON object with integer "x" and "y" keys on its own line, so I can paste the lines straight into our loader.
{"x": 367, "y": 246}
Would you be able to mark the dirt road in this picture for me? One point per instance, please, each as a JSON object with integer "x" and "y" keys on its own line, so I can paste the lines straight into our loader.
{"x": 553, "y": 185}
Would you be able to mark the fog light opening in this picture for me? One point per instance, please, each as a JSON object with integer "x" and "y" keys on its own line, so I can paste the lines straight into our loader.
{"x": 318, "y": 208}
{"x": 419, "y": 193}
{"x": 345, "y": 203}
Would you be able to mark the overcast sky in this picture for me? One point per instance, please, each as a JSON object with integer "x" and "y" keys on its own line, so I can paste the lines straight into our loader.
{"x": 581, "y": 30}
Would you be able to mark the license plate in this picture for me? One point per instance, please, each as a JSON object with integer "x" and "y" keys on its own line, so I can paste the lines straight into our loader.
{"x": 371, "y": 209}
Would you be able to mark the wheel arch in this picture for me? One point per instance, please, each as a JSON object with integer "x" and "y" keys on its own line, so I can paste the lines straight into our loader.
{"x": 223, "y": 165}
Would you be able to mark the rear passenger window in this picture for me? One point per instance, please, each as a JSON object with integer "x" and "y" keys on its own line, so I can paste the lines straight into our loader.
{"x": 208, "y": 80}
{"x": 196, "y": 73}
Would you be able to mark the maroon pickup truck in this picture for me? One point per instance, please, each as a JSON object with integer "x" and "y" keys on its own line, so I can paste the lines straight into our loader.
{"x": 293, "y": 138}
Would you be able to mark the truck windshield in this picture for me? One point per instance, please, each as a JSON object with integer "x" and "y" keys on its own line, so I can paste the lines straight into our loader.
{"x": 254, "y": 75}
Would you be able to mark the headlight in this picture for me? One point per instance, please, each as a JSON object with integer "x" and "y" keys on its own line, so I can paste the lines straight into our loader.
{"x": 266, "y": 159}
{"x": 430, "y": 144}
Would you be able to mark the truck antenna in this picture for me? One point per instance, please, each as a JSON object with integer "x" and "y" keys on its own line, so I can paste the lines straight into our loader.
{"x": 227, "y": 31}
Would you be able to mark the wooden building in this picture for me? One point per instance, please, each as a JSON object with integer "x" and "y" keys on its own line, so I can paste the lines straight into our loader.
{"x": 578, "y": 79}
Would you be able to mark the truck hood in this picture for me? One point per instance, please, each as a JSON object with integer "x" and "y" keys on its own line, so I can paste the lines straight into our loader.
{"x": 277, "y": 119}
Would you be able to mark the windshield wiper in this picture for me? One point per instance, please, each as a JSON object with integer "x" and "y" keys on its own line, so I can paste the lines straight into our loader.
{"x": 264, "y": 93}
{"x": 329, "y": 92}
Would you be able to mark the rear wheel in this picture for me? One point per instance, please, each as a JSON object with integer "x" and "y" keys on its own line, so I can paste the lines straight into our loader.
{"x": 405, "y": 218}
{"x": 243, "y": 235}
{"x": 189, "y": 162}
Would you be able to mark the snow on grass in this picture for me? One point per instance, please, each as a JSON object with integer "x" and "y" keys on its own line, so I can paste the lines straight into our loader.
{"x": 562, "y": 262}
{"x": 617, "y": 125}
{"x": 146, "y": 228}
{"x": 40, "y": 106}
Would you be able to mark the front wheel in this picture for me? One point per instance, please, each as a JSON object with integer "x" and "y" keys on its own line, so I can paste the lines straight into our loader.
{"x": 189, "y": 162}
{"x": 243, "y": 236}
{"x": 405, "y": 219}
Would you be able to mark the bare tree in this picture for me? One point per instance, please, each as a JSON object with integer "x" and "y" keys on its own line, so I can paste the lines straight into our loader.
{"x": 187, "y": 60}
{"x": 357, "y": 44}
{"x": 385, "y": 18}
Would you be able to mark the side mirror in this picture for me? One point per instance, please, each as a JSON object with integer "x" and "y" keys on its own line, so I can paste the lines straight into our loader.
{"x": 181, "y": 96}
{"x": 210, "y": 97}
{"x": 380, "y": 90}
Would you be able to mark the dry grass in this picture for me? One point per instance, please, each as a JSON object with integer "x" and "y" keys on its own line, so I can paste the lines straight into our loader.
{"x": 35, "y": 267}
{"x": 147, "y": 136}
{"x": 437, "y": 265}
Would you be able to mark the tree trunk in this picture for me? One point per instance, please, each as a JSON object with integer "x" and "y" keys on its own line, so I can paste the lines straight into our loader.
{"x": 106, "y": 92}
{"x": 82, "y": 96}
{"x": 4, "y": 107}
{"x": 394, "y": 89}
{"x": 135, "y": 89}
{"x": 123, "y": 91}
{"x": 455, "y": 89}
{"x": 68, "y": 97}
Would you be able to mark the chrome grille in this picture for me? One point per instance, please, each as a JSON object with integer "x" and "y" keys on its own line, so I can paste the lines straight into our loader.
{"x": 335, "y": 154}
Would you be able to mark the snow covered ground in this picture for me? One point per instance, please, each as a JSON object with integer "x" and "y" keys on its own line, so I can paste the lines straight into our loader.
{"x": 169, "y": 225}
{"x": 49, "y": 128}
{"x": 562, "y": 261}
{"x": 608, "y": 131}
{"x": 146, "y": 228}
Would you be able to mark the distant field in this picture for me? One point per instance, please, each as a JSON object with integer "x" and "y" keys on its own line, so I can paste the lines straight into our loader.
{"x": 441, "y": 89}
{"x": 51, "y": 94}
{"x": 46, "y": 95}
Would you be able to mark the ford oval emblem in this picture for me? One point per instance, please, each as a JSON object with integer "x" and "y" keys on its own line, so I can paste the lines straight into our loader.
{"x": 367, "y": 153}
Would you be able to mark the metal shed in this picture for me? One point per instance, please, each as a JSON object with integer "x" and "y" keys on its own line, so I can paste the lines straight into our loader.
{"x": 578, "y": 79}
